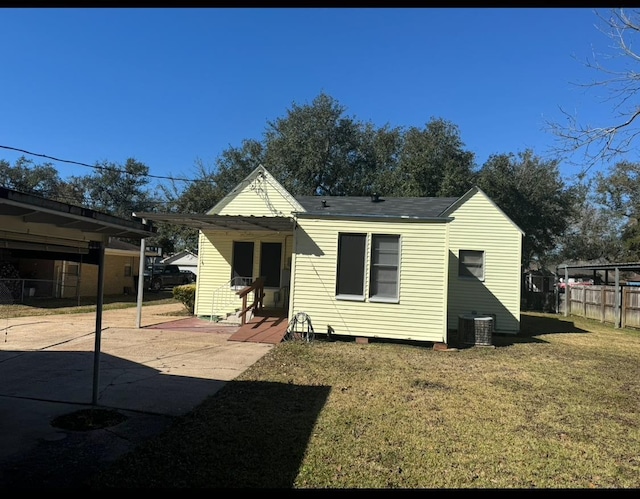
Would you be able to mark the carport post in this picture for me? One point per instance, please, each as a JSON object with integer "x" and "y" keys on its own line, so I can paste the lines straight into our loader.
{"x": 143, "y": 250}
{"x": 96, "y": 352}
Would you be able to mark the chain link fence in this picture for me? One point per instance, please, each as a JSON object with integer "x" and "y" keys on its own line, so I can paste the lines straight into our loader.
{"x": 20, "y": 290}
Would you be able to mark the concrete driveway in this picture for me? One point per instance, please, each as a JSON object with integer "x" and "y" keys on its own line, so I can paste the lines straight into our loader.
{"x": 151, "y": 375}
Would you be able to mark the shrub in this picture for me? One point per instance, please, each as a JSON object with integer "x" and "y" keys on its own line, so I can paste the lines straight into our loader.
{"x": 187, "y": 295}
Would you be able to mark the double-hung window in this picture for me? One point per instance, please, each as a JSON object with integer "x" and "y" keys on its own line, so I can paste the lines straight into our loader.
{"x": 385, "y": 256}
{"x": 471, "y": 264}
{"x": 383, "y": 267}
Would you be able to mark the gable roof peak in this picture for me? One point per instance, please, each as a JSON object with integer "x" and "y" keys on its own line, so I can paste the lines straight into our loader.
{"x": 468, "y": 195}
{"x": 259, "y": 174}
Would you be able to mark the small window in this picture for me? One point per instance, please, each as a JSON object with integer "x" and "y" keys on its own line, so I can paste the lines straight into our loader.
{"x": 127, "y": 270}
{"x": 385, "y": 251}
{"x": 351, "y": 262}
{"x": 471, "y": 264}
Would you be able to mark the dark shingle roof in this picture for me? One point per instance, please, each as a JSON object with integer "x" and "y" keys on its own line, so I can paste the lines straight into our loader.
{"x": 363, "y": 205}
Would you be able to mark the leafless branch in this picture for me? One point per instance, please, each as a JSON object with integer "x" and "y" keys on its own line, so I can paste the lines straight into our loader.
{"x": 622, "y": 83}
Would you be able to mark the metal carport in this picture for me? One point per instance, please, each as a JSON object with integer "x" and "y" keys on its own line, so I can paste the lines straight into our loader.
{"x": 47, "y": 229}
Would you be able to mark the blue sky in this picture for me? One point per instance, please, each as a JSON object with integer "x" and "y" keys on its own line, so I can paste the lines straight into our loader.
{"x": 171, "y": 86}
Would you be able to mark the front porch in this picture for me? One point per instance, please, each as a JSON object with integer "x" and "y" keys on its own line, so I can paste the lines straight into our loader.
{"x": 266, "y": 326}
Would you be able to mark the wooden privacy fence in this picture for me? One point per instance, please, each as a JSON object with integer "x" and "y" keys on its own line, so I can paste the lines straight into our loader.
{"x": 599, "y": 302}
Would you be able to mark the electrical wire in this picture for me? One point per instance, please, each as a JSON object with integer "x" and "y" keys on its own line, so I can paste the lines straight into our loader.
{"x": 98, "y": 167}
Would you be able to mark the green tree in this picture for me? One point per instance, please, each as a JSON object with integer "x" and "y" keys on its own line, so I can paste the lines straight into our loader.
{"x": 314, "y": 149}
{"x": 619, "y": 191}
{"x": 593, "y": 233}
{"x": 197, "y": 197}
{"x": 118, "y": 190}
{"x": 532, "y": 193}
{"x": 233, "y": 165}
{"x": 42, "y": 180}
{"x": 432, "y": 161}
{"x": 378, "y": 161}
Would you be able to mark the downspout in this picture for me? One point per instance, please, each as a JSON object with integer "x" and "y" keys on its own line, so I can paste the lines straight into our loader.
{"x": 292, "y": 278}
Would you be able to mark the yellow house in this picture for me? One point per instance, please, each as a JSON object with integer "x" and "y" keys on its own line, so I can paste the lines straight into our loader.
{"x": 71, "y": 279}
{"x": 372, "y": 267}
{"x": 122, "y": 264}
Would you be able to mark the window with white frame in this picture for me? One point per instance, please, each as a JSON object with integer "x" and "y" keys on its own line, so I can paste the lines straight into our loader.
{"x": 471, "y": 264}
{"x": 385, "y": 259}
{"x": 384, "y": 267}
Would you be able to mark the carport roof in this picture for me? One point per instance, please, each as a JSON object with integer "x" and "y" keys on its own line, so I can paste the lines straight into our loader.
{"x": 35, "y": 209}
{"x": 222, "y": 222}
{"x": 629, "y": 266}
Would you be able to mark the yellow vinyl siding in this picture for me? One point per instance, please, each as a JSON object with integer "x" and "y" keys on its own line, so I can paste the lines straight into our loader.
{"x": 214, "y": 268}
{"x": 114, "y": 279}
{"x": 479, "y": 225}
{"x": 420, "y": 313}
{"x": 261, "y": 198}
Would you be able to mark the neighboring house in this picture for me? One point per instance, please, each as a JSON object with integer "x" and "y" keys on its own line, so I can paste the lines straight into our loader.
{"x": 184, "y": 259}
{"x": 376, "y": 267}
{"x": 68, "y": 279}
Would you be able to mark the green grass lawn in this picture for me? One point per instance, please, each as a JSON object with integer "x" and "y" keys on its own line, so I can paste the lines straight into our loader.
{"x": 555, "y": 407}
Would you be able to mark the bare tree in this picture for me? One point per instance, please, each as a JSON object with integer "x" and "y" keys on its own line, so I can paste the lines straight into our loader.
{"x": 621, "y": 82}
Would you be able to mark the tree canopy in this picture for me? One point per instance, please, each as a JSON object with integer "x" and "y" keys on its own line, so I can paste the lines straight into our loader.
{"x": 316, "y": 149}
{"x": 619, "y": 191}
{"x": 532, "y": 193}
{"x": 25, "y": 176}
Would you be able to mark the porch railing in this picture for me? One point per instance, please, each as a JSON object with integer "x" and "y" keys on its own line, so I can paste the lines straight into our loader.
{"x": 257, "y": 287}
{"x": 225, "y": 297}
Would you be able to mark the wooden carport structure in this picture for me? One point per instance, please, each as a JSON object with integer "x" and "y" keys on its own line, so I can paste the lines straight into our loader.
{"x": 47, "y": 229}
{"x": 616, "y": 268}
